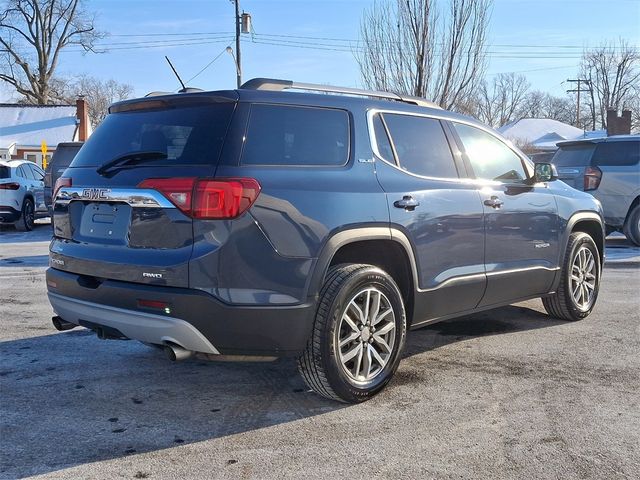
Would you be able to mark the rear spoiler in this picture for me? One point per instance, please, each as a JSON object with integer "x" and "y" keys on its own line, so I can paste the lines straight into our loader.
{"x": 173, "y": 100}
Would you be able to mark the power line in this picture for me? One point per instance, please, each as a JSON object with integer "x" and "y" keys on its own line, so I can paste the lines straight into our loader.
{"x": 208, "y": 64}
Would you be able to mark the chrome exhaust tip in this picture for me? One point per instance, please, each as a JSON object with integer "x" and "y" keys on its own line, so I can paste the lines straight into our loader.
{"x": 62, "y": 325}
{"x": 176, "y": 353}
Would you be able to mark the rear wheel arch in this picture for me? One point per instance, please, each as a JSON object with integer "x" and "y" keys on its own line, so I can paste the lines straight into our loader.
{"x": 634, "y": 204}
{"x": 376, "y": 246}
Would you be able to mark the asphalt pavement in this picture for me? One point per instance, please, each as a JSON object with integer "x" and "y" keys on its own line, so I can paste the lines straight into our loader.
{"x": 509, "y": 393}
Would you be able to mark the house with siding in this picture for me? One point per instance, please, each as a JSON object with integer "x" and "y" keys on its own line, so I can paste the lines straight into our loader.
{"x": 23, "y": 129}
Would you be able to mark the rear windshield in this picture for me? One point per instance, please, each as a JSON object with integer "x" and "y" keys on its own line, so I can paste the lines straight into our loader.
{"x": 573, "y": 156}
{"x": 292, "y": 135}
{"x": 187, "y": 135}
{"x": 5, "y": 172}
{"x": 617, "y": 153}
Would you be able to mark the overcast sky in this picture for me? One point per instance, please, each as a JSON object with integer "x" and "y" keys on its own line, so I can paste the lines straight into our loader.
{"x": 313, "y": 41}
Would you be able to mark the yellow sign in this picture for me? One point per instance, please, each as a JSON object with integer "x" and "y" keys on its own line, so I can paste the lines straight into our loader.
{"x": 43, "y": 148}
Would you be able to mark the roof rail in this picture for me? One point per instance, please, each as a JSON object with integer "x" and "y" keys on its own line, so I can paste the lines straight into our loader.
{"x": 279, "y": 85}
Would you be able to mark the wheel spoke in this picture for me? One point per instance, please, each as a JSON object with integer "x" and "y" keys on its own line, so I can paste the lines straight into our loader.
{"x": 358, "y": 363}
{"x": 382, "y": 342}
{"x": 358, "y": 310}
{"x": 352, "y": 336}
{"x": 350, "y": 322}
{"x": 386, "y": 329}
{"x": 375, "y": 307}
{"x": 367, "y": 361}
{"x": 377, "y": 356}
{"x": 351, "y": 353}
{"x": 381, "y": 316}
{"x": 367, "y": 306}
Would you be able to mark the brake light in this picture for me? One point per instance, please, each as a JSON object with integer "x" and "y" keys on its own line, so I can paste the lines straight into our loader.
{"x": 61, "y": 183}
{"x": 592, "y": 177}
{"x": 218, "y": 198}
{"x": 9, "y": 186}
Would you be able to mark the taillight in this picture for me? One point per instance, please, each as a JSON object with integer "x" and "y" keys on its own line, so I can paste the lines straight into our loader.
{"x": 218, "y": 198}
{"x": 9, "y": 186}
{"x": 178, "y": 190}
{"x": 592, "y": 177}
{"x": 60, "y": 183}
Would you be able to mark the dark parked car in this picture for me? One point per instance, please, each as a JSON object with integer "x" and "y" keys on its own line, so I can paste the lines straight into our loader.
{"x": 263, "y": 223}
{"x": 61, "y": 159}
{"x": 609, "y": 169}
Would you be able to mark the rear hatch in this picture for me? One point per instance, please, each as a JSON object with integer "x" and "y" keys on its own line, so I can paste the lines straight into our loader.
{"x": 571, "y": 161}
{"x": 108, "y": 224}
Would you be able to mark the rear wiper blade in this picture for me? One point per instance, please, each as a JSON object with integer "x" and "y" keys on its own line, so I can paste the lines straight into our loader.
{"x": 131, "y": 157}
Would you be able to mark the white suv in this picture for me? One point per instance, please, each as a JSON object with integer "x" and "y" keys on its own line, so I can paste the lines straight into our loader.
{"x": 21, "y": 193}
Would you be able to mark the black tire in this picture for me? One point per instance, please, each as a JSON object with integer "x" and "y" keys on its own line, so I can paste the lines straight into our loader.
{"x": 27, "y": 216}
{"x": 632, "y": 226}
{"x": 320, "y": 364}
{"x": 562, "y": 304}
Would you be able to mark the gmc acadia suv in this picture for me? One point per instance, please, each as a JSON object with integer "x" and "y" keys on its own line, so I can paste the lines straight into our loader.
{"x": 264, "y": 223}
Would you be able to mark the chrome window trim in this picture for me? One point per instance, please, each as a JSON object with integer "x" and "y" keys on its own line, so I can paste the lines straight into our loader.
{"x": 136, "y": 197}
{"x": 374, "y": 146}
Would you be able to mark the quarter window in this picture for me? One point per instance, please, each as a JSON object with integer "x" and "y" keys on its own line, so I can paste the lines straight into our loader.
{"x": 382, "y": 139}
{"x": 490, "y": 158}
{"x": 421, "y": 145}
{"x": 617, "y": 153}
{"x": 289, "y": 135}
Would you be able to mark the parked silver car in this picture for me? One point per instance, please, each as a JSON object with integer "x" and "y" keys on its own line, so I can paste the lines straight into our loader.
{"x": 609, "y": 169}
{"x": 21, "y": 193}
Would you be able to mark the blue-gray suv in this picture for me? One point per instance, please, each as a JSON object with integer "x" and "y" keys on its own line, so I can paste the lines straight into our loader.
{"x": 260, "y": 223}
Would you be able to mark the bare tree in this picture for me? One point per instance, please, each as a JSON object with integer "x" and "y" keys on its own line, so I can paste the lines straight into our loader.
{"x": 499, "y": 101}
{"x": 537, "y": 104}
{"x": 32, "y": 35}
{"x": 613, "y": 72}
{"x": 99, "y": 95}
{"x": 415, "y": 47}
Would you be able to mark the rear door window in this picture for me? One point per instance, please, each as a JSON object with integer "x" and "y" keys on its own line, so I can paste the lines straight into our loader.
{"x": 490, "y": 158}
{"x": 36, "y": 172}
{"x": 421, "y": 145}
{"x": 292, "y": 135}
{"x": 617, "y": 154}
{"x": 187, "y": 135}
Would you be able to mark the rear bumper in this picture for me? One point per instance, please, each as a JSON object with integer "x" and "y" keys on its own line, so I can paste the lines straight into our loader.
{"x": 195, "y": 320}
{"x": 8, "y": 214}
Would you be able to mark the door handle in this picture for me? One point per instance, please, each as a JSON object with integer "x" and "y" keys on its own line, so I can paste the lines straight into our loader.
{"x": 493, "y": 202}
{"x": 408, "y": 203}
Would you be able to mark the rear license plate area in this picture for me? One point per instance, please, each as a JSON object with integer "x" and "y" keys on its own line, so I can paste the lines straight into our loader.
{"x": 104, "y": 223}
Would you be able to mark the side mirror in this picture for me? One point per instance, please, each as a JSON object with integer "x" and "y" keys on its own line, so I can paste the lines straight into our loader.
{"x": 544, "y": 172}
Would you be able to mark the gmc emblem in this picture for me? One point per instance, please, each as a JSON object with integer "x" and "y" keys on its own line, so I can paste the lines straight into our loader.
{"x": 96, "y": 193}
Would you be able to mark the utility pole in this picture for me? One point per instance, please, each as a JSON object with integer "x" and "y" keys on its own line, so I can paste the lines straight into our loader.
{"x": 578, "y": 90}
{"x": 238, "y": 61}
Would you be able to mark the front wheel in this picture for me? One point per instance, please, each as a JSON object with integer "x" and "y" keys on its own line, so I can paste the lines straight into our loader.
{"x": 580, "y": 280}
{"x": 358, "y": 335}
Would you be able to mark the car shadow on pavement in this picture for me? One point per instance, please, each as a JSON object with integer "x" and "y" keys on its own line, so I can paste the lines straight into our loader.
{"x": 68, "y": 399}
{"x": 25, "y": 261}
{"x": 41, "y": 233}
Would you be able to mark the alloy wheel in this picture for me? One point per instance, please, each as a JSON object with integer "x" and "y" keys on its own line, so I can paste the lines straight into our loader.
{"x": 366, "y": 335}
{"x": 583, "y": 278}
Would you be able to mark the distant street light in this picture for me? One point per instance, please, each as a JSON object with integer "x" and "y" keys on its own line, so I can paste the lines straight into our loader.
{"x": 235, "y": 62}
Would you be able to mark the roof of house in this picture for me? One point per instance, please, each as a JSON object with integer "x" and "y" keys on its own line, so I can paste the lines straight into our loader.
{"x": 29, "y": 125}
{"x": 543, "y": 133}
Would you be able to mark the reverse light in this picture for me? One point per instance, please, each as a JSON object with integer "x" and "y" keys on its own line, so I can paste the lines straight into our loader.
{"x": 61, "y": 183}
{"x": 9, "y": 186}
{"x": 204, "y": 198}
{"x": 592, "y": 177}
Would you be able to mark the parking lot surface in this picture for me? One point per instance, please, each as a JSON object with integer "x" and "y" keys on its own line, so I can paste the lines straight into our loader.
{"x": 509, "y": 393}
